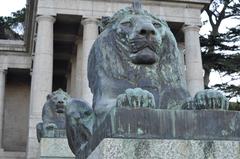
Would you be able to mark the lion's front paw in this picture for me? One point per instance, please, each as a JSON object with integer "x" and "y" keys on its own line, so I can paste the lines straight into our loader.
{"x": 210, "y": 99}
{"x": 136, "y": 98}
{"x": 51, "y": 126}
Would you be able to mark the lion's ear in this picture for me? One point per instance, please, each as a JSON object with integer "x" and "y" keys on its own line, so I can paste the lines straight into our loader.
{"x": 49, "y": 96}
{"x": 164, "y": 22}
{"x": 104, "y": 22}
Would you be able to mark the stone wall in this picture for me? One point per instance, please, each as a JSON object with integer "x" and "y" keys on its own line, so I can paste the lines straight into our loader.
{"x": 16, "y": 112}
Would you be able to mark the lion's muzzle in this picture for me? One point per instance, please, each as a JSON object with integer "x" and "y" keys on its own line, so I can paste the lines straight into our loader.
{"x": 60, "y": 107}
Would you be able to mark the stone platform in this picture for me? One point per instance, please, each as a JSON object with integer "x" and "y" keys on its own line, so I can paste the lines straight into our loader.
{"x": 111, "y": 148}
{"x": 55, "y": 148}
{"x": 191, "y": 131}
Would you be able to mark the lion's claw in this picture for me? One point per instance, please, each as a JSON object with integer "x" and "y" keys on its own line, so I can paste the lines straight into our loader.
{"x": 51, "y": 126}
{"x": 136, "y": 98}
{"x": 207, "y": 99}
{"x": 210, "y": 99}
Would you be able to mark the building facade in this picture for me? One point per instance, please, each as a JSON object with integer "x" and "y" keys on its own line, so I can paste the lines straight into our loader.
{"x": 54, "y": 53}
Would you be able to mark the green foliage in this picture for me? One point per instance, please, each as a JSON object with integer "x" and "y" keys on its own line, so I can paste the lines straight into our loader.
{"x": 11, "y": 27}
{"x": 221, "y": 51}
{"x": 234, "y": 106}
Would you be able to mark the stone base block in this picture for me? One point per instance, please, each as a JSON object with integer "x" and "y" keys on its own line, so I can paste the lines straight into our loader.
{"x": 111, "y": 148}
{"x": 55, "y": 148}
{"x": 12, "y": 155}
{"x": 163, "y": 125}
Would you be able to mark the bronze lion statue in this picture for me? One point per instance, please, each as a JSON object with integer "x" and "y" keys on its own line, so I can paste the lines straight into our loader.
{"x": 136, "y": 50}
{"x": 134, "y": 63}
{"x": 53, "y": 114}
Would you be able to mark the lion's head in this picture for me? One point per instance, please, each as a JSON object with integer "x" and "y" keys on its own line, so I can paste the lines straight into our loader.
{"x": 58, "y": 100}
{"x": 137, "y": 34}
{"x": 136, "y": 49}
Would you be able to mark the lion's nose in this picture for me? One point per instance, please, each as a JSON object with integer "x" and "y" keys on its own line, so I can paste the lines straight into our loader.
{"x": 60, "y": 102}
{"x": 147, "y": 30}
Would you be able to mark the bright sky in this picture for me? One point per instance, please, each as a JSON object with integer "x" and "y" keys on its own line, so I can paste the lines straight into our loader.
{"x": 8, "y": 6}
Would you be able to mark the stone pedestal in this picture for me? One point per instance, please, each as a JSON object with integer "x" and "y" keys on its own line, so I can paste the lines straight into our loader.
{"x": 12, "y": 155}
{"x": 165, "y": 149}
{"x": 55, "y": 148}
{"x": 140, "y": 125}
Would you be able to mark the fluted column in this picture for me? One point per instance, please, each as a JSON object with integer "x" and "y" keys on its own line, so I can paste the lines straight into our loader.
{"x": 90, "y": 33}
{"x": 42, "y": 74}
{"x": 194, "y": 69}
{"x": 2, "y": 96}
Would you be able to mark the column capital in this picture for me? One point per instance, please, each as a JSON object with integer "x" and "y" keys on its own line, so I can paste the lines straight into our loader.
{"x": 89, "y": 20}
{"x": 46, "y": 18}
{"x": 3, "y": 70}
{"x": 191, "y": 28}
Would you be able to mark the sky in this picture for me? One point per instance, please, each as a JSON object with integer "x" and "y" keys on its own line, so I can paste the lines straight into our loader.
{"x": 8, "y": 6}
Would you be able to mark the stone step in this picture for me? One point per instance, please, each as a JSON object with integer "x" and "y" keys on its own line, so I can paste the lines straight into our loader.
{"x": 12, "y": 155}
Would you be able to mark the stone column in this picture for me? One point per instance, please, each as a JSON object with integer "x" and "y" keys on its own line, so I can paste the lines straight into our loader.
{"x": 2, "y": 96}
{"x": 73, "y": 76}
{"x": 41, "y": 84}
{"x": 90, "y": 33}
{"x": 181, "y": 48}
{"x": 194, "y": 69}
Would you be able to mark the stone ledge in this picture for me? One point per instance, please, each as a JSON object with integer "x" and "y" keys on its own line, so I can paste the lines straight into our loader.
{"x": 172, "y": 124}
{"x": 165, "y": 149}
{"x": 12, "y": 45}
{"x": 166, "y": 124}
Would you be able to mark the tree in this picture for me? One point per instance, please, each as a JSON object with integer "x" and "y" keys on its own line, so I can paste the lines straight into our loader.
{"x": 220, "y": 50}
{"x": 12, "y": 27}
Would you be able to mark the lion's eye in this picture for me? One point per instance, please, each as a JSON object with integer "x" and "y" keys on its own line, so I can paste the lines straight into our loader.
{"x": 157, "y": 25}
{"x": 126, "y": 24}
{"x": 87, "y": 113}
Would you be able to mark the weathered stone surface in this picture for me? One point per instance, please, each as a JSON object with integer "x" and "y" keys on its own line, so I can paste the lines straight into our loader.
{"x": 179, "y": 124}
{"x": 55, "y": 148}
{"x": 166, "y": 149}
{"x": 167, "y": 124}
{"x": 12, "y": 154}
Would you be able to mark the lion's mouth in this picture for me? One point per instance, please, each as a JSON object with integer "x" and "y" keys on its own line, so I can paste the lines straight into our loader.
{"x": 144, "y": 56}
{"x": 60, "y": 108}
{"x": 143, "y": 51}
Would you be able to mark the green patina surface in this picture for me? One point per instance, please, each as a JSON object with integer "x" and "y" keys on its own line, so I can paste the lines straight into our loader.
{"x": 53, "y": 116}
